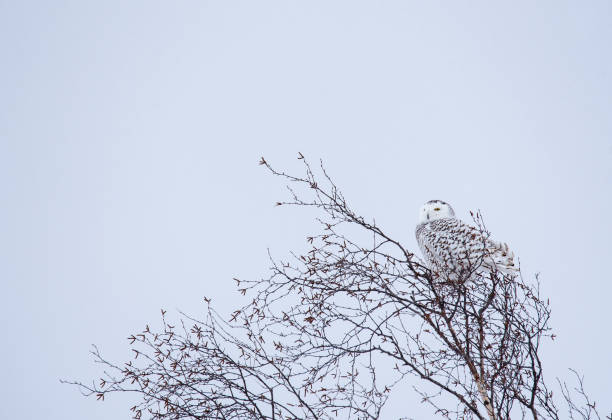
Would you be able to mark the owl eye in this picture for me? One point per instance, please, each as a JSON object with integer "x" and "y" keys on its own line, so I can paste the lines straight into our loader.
{"x": 437, "y": 209}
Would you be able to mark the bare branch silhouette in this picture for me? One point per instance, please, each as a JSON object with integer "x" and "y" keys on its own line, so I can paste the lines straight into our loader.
{"x": 330, "y": 332}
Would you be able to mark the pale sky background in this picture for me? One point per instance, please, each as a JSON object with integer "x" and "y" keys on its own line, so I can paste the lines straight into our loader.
{"x": 130, "y": 133}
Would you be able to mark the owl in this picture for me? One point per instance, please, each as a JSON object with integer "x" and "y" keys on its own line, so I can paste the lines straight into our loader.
{"x": 458, "y": 250}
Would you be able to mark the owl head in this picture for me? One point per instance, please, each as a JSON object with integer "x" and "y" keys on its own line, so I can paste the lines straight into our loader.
{"x": 435, "y": 209}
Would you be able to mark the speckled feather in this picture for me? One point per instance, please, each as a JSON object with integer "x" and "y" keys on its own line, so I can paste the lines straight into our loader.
{"x": 452, "y": 247}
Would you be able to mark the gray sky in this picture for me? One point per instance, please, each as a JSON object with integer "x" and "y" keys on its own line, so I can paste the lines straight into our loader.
{"x": 130, "y": 134}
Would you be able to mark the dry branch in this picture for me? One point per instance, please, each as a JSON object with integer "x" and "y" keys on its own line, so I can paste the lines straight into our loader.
{"x": 330, "y": 333}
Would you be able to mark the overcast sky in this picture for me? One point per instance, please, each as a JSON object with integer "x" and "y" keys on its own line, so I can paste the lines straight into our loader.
{"x": 130, "y": 133}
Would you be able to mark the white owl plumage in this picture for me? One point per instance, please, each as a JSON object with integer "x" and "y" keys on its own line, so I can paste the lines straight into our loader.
{"x": 456, "y": 249}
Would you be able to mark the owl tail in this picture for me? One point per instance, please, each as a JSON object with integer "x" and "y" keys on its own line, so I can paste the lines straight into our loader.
{"x": 501, "y": 258}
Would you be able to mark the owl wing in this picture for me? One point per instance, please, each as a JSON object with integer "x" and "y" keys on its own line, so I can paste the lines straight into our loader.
{"x": 454, "y": 246}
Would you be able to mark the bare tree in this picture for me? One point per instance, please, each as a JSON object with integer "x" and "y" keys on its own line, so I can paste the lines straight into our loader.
{"x": 317, "y": 333}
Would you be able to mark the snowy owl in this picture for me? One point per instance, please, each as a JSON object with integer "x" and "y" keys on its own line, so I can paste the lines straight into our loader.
{"x": 456, "y": 249}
